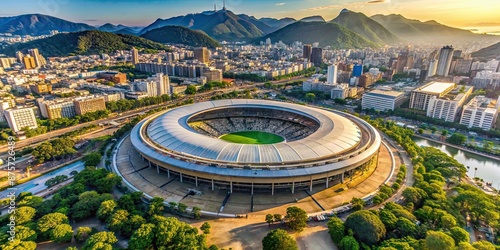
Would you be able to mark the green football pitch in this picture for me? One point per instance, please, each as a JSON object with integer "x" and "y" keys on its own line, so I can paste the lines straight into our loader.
{"x": 252, "y": 137}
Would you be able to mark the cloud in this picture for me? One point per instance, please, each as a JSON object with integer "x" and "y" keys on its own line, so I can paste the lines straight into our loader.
{"x": 353, "y": 5}
{"x": 280, "y": 4}
{"x": 379, "y": 1}
{"x": 90, "y": 20}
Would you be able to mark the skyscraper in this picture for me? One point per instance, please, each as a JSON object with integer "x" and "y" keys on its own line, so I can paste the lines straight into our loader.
{"x": 202, "y": 54}
{"x": 357, "y": 70}
{"x": 29, "y": 62}
{"x": 39, "y": 62}
{"x": 306, "y": 51}
{"x": 332, "y": 74}
{"x": 135, "y": 56}
{"x": 444, "y": 61}
{"x": 19, "y": 56}
{"x": 317, "y": 56}
{"x": 401, "y": 64}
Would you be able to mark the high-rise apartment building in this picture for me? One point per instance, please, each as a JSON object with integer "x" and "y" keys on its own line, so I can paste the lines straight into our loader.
{"x": 332, "y": 74}
{"x": 202, "y": 54}
{"x": 19, "y": 118}
{"x": 317, "y": 56}
{"x": 39, "y": 62}
{"x": 306, "y": 51}
{"x": 135, "y": 55}
{"x": 444, "y": 61}
{"x": 57, "y": 108}
{"x": 156, "y": 85}
{"x": 401, "y": 64}
{"x": 29, "y": 62}
{"x": 462, "y": 67}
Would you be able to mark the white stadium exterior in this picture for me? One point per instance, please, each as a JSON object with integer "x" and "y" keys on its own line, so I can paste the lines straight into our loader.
{"x": 320, "y": 146}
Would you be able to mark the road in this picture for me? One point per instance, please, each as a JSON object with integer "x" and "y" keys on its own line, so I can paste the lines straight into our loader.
{"x": 38, "y": 184}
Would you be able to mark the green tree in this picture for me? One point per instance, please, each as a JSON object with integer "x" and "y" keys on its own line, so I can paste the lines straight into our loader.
{"x": 296, "y": 218}
{"x": 190, "y": 90}
{"x": 457, "y": 139}
{"x": 277, "y": 217}
{"x": 269, "y": 219}
{"x": 25, "y": 233}
{"x": 459, "y": 235}
{"x": 205, "y": 228}
{"x": 19, "y": 245}
{"x": 196, "y": 212}
{"x": 156, "y": 206}
{"x": 439, "y": 241}
{"x": 106, "y": 209}
{"x": 336, "y": 229}
{"x": 444, "y": 132}
{"x": 310, "y": 97}
{"x": 100, "y": 240}
{"x": 142, "y": 238}
{"x": 62, "y": 233}
{"x": 92, "y": 159}
{"x": 278, "y": 239}
{"x": 433, "y": 129}
{"x": 483, "y": 245}
{"x": 50, "y": 221}
{"x": 448, "y": 221}
{"x": 83, "y": 233}
{"x": 405, "y": 227}
{"x": 24, "y": 215}
{"x": 349, "y": 243}
{"x": 182, "y": 207}
{"x": 117, "y": 220}
{"x": 357, "y": 204}
{"x": 367, "y": 227}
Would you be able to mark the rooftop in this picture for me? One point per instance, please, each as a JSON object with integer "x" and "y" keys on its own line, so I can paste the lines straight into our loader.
{"x": 437, "y": 87}
{"x": 393, "y": 94}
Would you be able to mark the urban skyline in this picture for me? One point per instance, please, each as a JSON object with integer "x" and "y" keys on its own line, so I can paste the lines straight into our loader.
{"x": 479, "y": 16}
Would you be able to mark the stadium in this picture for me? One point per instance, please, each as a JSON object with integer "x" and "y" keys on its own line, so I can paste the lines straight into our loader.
{"x": 256, "y": 145}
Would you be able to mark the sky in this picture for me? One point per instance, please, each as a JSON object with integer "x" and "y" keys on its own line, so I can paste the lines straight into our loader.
{"x": 456, "y": 13}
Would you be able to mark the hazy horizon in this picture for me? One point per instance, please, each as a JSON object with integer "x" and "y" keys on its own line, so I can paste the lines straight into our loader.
{"x": 482, "y": 15}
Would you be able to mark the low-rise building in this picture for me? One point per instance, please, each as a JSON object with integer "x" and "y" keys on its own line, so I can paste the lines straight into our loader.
{"x": 88, "y": 104}
{"x": 448, "y": 106}
{"x": 382, "y": 100}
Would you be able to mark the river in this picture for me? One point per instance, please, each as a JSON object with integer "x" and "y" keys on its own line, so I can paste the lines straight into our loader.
{"x": 487, "y": 169}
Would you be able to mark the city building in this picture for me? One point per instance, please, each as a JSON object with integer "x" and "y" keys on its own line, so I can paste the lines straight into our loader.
{"x": 156, "y": 85}
{"x": 401, "y": 63}
{"x": 420, "y": 96}
{"x": 57, "y": 108}
{"x": 317, "y": 56}
{"x": 432, "y": 68}
{"x": 19, "y": 118}
{"x": 462, "y": 67}
{"x": 382, "y": 100}
{"x": 39, "y": 60}
{"x": 307, "y": 51}
{"x": 357, "y": 70}
{"x": 340, "y": 91}
{"x": 41, "y": 88}
{"x": 332, "y": 74}
{"x": 88, "y": 104}
{"x": 114, "y": 76}
{"x": 202, "y": 54}
{"x": 444, "y": 61}
{"x": 29, "y": 62}
{"x": 135, "y": 55}
{"x": 446, "y": 107}
{"x": 480, "y": 112}
{"x": 135, "y": 95}
{"x": 212, "y": 75}
{"x": 366, "y": 80}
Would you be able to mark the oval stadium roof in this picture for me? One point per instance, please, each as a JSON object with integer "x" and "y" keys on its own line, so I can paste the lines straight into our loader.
{"x": 335, "y": 135}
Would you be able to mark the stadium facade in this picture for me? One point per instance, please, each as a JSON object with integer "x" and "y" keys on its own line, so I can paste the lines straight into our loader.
{"x": 320, "y": 147}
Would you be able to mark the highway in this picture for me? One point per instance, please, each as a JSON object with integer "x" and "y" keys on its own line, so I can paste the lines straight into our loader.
{"x": 37, "y": 185}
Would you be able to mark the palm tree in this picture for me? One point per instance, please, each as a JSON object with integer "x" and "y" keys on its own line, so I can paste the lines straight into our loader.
{"x": 475, "y": 169}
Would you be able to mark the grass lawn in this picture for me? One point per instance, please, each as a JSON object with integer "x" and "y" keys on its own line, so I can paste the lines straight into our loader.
{"x": 252, "y": 137}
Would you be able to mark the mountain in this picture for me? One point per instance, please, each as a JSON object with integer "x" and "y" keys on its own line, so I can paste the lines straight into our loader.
{"x": 108, "y": 27}
{"x": 126, "y": 31}
{"x": 417, "y": 31}
{"x": 490, "y": 52}
{"x": 313, "y": 19}
{"x": 278, "y": 23}
{"x": 264, "y": 27}
{"x": 221, "y": 25}
{"x": 84, "y": 43}
{"x": 327, "y": 34}
{"x": 365, "y": 26}
{"x": 38, "y": 24}
{"x": 180, "y": 35}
